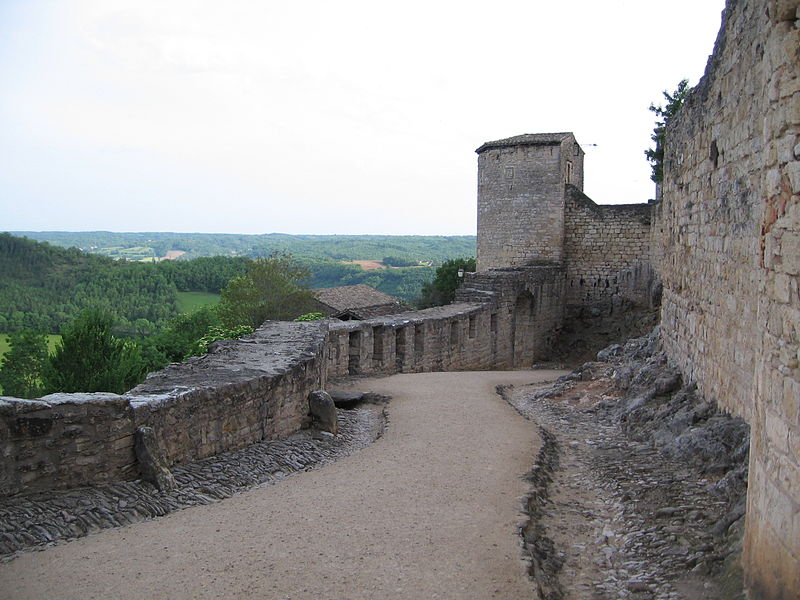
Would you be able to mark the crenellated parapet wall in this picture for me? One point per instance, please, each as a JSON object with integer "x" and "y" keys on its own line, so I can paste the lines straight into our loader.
{"x": 501, "y": 319}
{"x": 435, "y": 339}
{"x": 527, "y": 310}
{"x": 242, "y": 392}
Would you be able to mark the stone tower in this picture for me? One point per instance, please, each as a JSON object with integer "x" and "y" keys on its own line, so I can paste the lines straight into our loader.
{"x": 521, "y": 185}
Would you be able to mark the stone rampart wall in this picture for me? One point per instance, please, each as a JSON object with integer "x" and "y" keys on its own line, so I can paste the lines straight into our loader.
{"x": 65, "y": 440}
{"x": 527, "y": 311}
{"x": 607, "y": 251}
{"x": 242, "y": 392}
{"x": 436, "y": 339}
{"x": 257, "y": 388}
{"x": 728, "y": 233}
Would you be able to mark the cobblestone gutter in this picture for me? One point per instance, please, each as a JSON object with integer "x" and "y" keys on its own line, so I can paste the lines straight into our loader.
{"x": 34, "y": 521}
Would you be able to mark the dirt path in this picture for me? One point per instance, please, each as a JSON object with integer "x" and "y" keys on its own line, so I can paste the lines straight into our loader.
{"x": 428, "y": 511}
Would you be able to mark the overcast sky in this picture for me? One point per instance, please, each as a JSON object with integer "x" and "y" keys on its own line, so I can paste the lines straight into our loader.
{"x": 246, "y": 116}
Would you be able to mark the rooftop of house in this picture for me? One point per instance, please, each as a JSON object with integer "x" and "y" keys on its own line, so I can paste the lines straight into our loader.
{"x": 358, "y": 301}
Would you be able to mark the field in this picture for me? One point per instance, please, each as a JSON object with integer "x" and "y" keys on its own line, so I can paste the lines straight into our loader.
{"x": 367, "y": 265}
{"x": 191, "y": 301}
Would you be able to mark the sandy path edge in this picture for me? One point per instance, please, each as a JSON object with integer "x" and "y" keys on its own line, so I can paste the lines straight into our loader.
{"x": 428, "y": 511}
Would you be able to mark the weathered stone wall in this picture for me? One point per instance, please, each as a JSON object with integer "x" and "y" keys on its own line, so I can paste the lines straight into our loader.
{"x": 65, "y": 440}
{"x": 242, "y": 392}
{"x": 521, "y": 198}
{"x": 500, "y": 319}
{"x": 729, "y": 236}
{"x": 436, "y": 339}
{"x": 606, "y": 252}
{"x": 527, "y": 311}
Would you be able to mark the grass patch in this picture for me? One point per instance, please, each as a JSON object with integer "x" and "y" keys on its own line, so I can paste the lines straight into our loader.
{"x": 191, "y": 301}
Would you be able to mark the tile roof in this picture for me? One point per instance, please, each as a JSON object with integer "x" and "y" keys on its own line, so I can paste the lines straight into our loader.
{"x": 361, "y": 301}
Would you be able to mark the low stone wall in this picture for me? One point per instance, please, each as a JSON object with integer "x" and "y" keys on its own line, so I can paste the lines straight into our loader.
{"x": 65, "y": 440}
{"x": 436, "y": 339}
{"x": 501, "y": 319}
{"x": 243, "y": 392}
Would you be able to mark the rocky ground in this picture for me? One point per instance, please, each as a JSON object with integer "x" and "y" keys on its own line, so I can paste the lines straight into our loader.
{"x": 35, "y": 521}
{"x": 639, "y": 486}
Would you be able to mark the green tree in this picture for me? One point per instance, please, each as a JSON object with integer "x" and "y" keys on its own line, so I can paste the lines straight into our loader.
{"x": 655, "y": 156}
{"x": 398, "y": 261}
{"x": 22, "y": 366}
{"x": 181, "y": 333}
{"x": 443, "y": 288}
{"x": 273, "y": 288}
{"x": 90, "y": 359}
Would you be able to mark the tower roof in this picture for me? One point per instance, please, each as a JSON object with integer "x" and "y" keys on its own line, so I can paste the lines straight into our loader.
{"x": 528, "y": 139}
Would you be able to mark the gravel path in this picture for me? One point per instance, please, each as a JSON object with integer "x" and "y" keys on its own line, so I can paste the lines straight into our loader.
{"x": 430, "y": 510}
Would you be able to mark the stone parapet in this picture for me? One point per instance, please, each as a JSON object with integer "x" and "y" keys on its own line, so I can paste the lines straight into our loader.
{"x": 242, "y": 392}
{"x": 65, "y": 440}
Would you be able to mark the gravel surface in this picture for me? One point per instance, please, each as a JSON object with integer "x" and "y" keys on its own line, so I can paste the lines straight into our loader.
{"x": 430, "y": 510}
{"x": 37, "y": 520}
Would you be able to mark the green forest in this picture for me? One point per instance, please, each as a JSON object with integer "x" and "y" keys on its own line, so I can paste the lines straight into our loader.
{"x": 77, "y": 321}
{"x": 45, "y": 285}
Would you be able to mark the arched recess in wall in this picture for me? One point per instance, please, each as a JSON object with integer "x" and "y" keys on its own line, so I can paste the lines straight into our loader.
{"x": 524, "y": 330}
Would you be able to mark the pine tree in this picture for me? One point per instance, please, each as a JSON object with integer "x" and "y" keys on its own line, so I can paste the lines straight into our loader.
{"x": 22, "y": 366}
{"x": 90, "y": 359}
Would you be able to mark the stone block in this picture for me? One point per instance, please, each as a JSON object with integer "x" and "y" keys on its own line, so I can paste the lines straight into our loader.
{"x": 151, "y": 460}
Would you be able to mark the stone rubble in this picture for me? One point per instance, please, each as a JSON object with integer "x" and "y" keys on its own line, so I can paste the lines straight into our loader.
{"x": 638, "y": 491}
{"x": 34, "y": 521}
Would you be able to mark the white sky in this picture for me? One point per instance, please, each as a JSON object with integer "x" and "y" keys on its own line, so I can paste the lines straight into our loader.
{"x": 246, "y": 116}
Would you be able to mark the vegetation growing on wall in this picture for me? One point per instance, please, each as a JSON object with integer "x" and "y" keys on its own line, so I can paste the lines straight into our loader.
{"x": 655, "y": 156}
